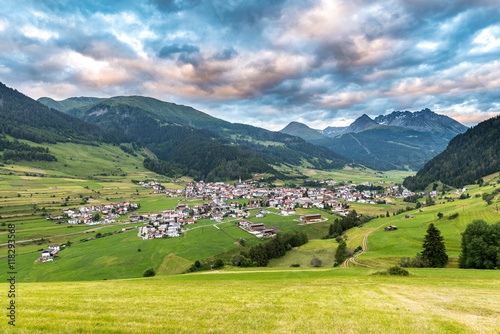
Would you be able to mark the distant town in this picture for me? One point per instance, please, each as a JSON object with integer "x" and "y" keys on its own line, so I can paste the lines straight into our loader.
{"x": 220, "y": 200}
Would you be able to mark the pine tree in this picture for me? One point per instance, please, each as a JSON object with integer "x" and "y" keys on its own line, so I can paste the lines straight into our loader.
{"x": 434, "y": 249}
{"x": 340, "y": 254}
{"x": 338, "y": 228}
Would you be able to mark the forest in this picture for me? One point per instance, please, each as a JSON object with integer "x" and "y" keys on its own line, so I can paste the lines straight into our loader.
{"x": 468, "y": 157}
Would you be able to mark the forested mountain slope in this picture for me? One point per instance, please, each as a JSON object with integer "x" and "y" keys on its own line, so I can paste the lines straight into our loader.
{"x": 468, "y": 157}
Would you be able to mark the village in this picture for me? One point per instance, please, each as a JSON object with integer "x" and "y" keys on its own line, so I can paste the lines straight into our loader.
{"x": 220, "y": 200}
{"x": 96, "y": 214}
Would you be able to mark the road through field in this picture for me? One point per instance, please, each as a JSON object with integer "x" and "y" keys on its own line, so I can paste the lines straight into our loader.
{"x": 352, "y": 259}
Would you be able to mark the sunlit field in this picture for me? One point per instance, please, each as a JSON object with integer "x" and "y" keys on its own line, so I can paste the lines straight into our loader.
{"x": 343, "y": 300}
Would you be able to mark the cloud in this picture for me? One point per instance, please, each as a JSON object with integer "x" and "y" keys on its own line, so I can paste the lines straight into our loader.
{"x": 321, "y": 62}
{"x": 169, "y": 51}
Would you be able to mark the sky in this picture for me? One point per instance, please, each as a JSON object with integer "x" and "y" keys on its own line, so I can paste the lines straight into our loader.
{"x": 264, "y": 63}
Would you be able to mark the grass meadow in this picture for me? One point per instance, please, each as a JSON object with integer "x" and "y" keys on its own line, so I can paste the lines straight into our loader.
{"x": 340, "y": 300}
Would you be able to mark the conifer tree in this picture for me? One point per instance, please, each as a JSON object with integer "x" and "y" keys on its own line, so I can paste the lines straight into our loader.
{"x": 434, "y": 250}
{"x": 340, "y": 254}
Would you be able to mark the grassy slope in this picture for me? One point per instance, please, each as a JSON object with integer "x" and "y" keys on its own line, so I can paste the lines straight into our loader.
{"x": 117, "y": 256}
{"x": 76, "y": 160}
{"x": 258, "y": 301}
{"x": 386, "y": 248}
{"x": 358, "y": 175}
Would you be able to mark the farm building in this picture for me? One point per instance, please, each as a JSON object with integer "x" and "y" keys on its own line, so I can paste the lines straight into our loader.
{"x": 257, "y": 227}
{"x": 309, "y": 218}
{"x": 391, "y": 228}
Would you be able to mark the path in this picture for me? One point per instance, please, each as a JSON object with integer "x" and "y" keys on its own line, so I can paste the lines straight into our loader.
{"x": 352, "y": 259}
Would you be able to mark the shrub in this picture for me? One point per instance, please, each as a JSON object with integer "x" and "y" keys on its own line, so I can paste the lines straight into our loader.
{"x": 316, "y": 262}
{"x": 349, "y": 252}
{"x": 398, "y": 271}
{"x": 417, "y": 262}
{"x": 295, "y": 265}
{"x": 150, "y": 272}
{"x": 218, "y": 264}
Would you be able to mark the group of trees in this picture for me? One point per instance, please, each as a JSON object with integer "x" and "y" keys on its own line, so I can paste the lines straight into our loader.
{"x": 259, "y": 255}
{"x": 433, "y": 254}
{"x": 489, "y": 197}
{"x": 343, "y": 224}
{"x": 15, "y": 151}
{"x": 480, "y": 246}
{"x": 340, "y": 254}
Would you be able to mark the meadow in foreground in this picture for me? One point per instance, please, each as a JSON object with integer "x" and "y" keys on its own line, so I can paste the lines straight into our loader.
{"x": 341, "y": 300}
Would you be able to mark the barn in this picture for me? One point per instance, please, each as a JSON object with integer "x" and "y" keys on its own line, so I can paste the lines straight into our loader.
{"x": 309, "y": 218}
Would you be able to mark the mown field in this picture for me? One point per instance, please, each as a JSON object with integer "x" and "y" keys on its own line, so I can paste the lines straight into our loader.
{"x": 340, "y": 300}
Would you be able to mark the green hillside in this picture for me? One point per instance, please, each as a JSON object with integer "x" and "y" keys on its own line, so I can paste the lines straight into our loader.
{"x": 164, "y": 111}
{"x": 23, "y": 118}
{"x": 468, "y": 157}
{"x": 276, "y": 148}
{"x": 71, "y": 103}
{"x": 181, "y": 149}
{"x": 82, "y": 161}
{"x": 302, "y": 131}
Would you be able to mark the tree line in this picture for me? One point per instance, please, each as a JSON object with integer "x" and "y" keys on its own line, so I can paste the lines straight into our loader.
{"x": 259, "y": 255}
{"x": 16, "y": 151}
{"x": 343, "y": 224}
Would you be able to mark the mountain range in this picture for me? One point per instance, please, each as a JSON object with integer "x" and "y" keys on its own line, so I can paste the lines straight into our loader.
{"x": 121, "y": 112}
{"x": 400, "y": 140}
{"x": 185, "y": 141}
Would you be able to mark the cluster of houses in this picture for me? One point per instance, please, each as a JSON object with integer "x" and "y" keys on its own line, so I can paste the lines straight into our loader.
{"x": 167, "y": 223}
{"x": 157, "y": 187}
{"x": 107, "y": 213}
{"x": 221, "y": 200}
{"x": 50, "y": 253}
{"x": 285, "y": 199}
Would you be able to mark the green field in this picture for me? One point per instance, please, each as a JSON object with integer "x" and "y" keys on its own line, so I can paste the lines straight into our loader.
{"x": 358, "y": 175}
{"x": 337, "y": 300}
{"x": 117, "y": 256}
